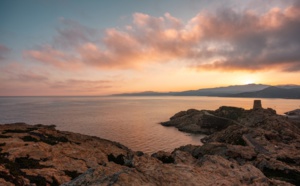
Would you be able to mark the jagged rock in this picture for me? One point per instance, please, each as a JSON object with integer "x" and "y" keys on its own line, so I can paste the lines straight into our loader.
{"x": 209, "y": 170}
{"x": 246, "y": 147}
{"x": 258, "y": 137}
{"x": 83, "y": 160}
{"x": 188, "y": 121}
{"x": 164, "y": 157}
{"x": 204, "y": 122}
{"x": 50, "y": 156}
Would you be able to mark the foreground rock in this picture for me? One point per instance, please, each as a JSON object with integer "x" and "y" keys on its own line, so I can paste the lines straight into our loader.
{"x": 257, "y": 137}
{"x": 42, "y": 155}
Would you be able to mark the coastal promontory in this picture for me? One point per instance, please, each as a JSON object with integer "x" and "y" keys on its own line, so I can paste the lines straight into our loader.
{"x": 242, "y": 147}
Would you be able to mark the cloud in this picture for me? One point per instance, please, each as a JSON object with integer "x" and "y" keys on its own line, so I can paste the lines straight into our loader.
{"x": 19, "y": 73}
{"x": 88, "y": 86}
{"x": 150, "y": 40}
{"x": 3, "y": 52}
{"x": 31, "y": 77}
{"x": 61, "y": 53}
{"x": 225, "y": 40}
{"x": 57, "y": 58}
{"x": 71, "y": 34}
{"x": 17, "y": 79}
{"x": 255, "y": 41}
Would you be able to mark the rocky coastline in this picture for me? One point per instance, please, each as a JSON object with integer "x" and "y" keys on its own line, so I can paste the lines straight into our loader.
{"x": 242, "y": 147}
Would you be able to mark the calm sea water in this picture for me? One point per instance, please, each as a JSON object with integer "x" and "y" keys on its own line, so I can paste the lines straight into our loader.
{"x": 132, "y": 121}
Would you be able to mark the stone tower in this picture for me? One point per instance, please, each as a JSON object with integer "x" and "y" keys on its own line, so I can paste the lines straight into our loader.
{"x": 257, "y": 104}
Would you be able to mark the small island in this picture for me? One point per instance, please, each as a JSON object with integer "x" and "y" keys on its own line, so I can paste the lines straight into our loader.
{"x": 242, "y": 147}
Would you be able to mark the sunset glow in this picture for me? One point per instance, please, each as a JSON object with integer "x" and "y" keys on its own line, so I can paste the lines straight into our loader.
{"x": 249, "y": 81}
{"x": 104, "y": 47}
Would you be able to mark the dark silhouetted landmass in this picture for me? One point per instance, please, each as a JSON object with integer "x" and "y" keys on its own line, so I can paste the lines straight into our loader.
{"x": 222, "y": 91}
{"x": 272, "y": 92}
{"x": 250, "y": 90}
{"x": 219, "y": 91}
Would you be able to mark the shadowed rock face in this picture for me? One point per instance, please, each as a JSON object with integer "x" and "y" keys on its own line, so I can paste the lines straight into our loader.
{"x": 204, "y": 121}
{"x": 245, "y": 147}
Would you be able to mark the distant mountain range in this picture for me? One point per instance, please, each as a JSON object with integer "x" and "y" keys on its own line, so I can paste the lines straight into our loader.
{"x": 250, "y": 91}
{"x": 272, "y": 92}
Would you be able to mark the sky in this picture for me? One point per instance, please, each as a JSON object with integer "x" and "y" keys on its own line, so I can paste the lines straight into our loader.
{"x": 74, "y": 47}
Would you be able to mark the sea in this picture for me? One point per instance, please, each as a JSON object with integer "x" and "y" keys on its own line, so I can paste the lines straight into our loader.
{"x": 131, "y": 121}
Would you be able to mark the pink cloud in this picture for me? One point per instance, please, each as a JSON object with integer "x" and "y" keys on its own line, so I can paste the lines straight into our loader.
{"x": 16, "y": 79}
{"x": 151, "y": 39}
{"x": 25, "y": 87}
{"x": 19, "y": 73}
{"x": 32, "y": 77}
{"x": 224, "y": 40}
{"x": 49, "y": 55}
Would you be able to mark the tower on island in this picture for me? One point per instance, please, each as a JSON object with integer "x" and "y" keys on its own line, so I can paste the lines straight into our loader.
{"x": 257, "y": 105}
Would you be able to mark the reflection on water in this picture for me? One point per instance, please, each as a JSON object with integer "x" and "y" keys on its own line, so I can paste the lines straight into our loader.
{"x": 132, "y": 121}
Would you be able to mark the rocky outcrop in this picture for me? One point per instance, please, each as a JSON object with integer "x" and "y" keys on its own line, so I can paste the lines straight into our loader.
{"x": 259, "y": 137}
{"x": 245, "y": 147}
{"x": 295, "y": 112}
{"x": 204, "y": 121}
{"x": 294, "y": 116}
{"x": 41, "y": 155}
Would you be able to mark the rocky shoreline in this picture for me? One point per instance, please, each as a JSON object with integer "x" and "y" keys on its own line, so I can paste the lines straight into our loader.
{"x": 243, "y": 147}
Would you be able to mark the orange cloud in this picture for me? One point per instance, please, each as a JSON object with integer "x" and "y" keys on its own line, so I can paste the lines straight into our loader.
{"x": 225, "y": 40}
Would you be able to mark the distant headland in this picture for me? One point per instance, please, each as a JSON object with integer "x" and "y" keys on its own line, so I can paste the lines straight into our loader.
{"x": 246, "y": 91}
